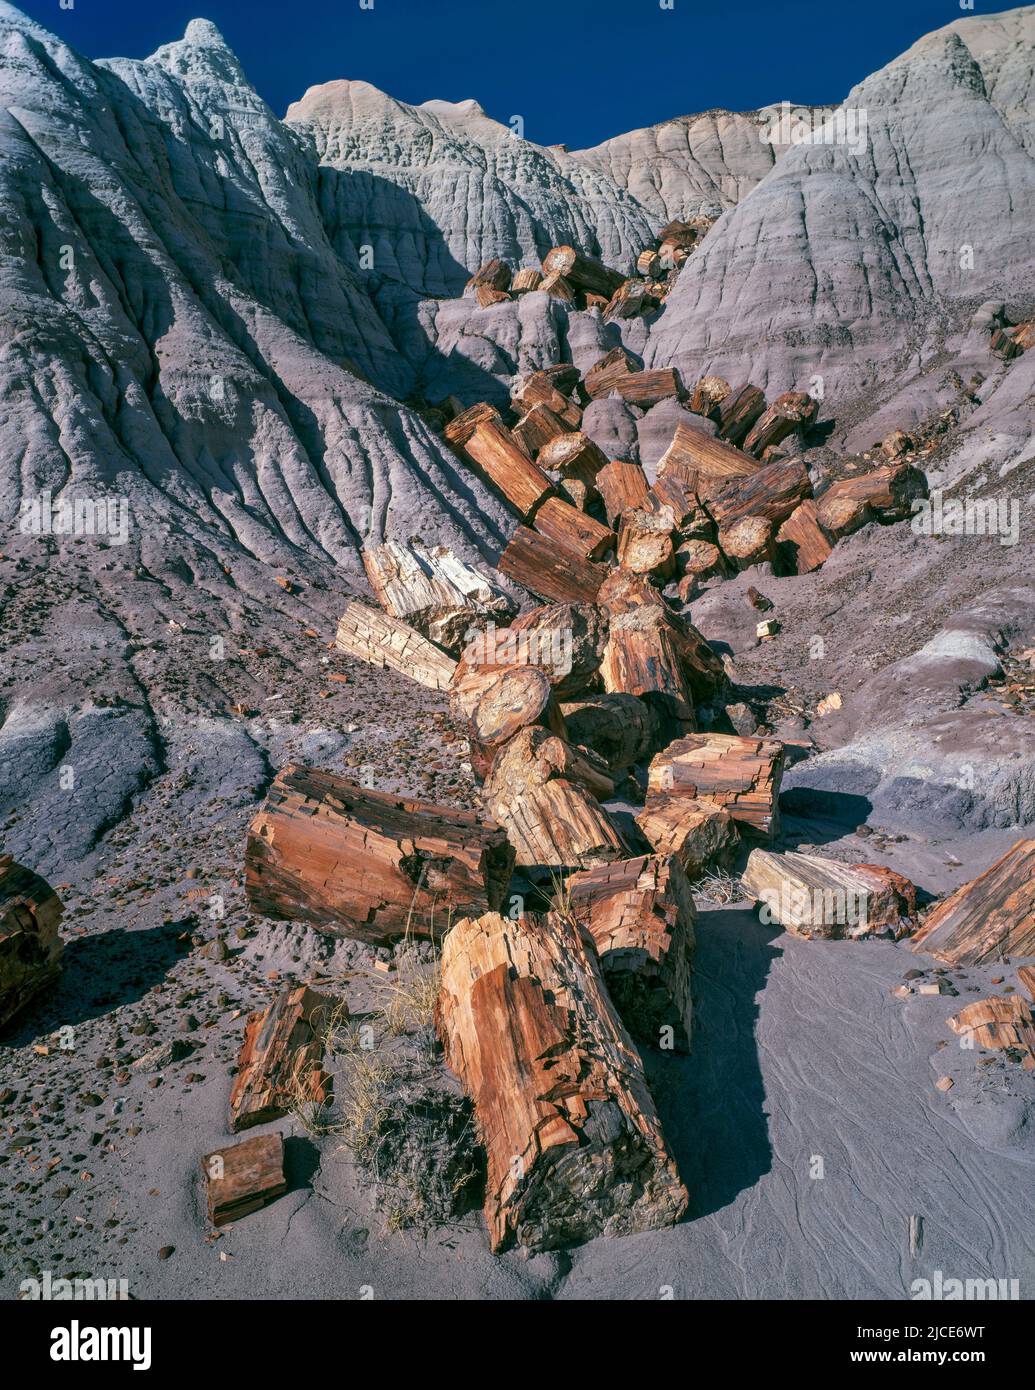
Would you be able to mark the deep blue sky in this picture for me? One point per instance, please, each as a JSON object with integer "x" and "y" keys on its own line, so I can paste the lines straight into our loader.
{"x": 547, "y": 60}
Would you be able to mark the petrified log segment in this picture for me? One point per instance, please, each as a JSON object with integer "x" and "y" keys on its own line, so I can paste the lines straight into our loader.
{"x": 583, "y": 272}
{"x": 990, "y": 917}
{"x": 487, "y": 297}
{"x": 697, "y": 833}
{"x": 526, "y": 280}
{"x": 242, "y": 1177}
{"x": 884, "y": 494}
{"x": 432, "y": 589}
{"x": 803, "y": 539}
{"x": 550, "y": 570}
{"x": 714, "y": 462}
{"x": 515, "y": 700}
{"x": 621, "y": 485}
{"x": 617, "y": 727}
{"x": 791, "y": 413}
{"x": 739, "y": 411}
{"x": 575, "y": 1148}
{"x": 679, "y": 494}
{"x": 700, "y": 560}
{"x": 365, "y": 864}
{"x": 561, "y": 522}
{"x": 648, "y": 264}
{"x": 507, "y": 468}
{"x": 493, "y": 275}
{"x": 383, "y": 641}
{"x": 30, "y": 940}
{"x": 537, "y": 428}
{"x": 566, "y": 640}
{"x": 573, "y": 455}
{"x": 631, "y": 298}
{"x": 820, "y": 899}
{"x": 558, "y": 287}
{"x": 774, "y": 492}
{"x": 460, "y": 428}
{"x": 542, "y": 791}
{"x": 540, "y": 388}
{"x": 708, "y": 395}
{"x": 612, "y": 367}
{"x": 749, "y": 540}
{"x": 647, "y": 388}
{"x": 742, "y": 775}
{"x": 640, "y": 914}
{"x": 646, "y": 542}
{"x": 623, "y": 591}
{"x": 998, "y": 1023}
{"x": 281, "y": 1061}
{"x": 644, "y": 657}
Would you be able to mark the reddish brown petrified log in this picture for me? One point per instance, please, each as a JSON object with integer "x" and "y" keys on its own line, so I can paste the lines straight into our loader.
{"x": 616, "y": 726}
{"x": 460, "y": 428}
{"x": 646, "y": 542}
{"x": 773, "y": 492}
{"x": 561, "y": 522}
{"x": 884, "y": 494}
{"x": 281, "y": 1061}
{"x": 613, "y": 366}
{"x": 708, "y": 395}
{"x": 583, "y": 272}
{"x": 742, "y": 775}
{"x": 366, "y": 864}
{"x": 537, "y": 428}
{"x": 493, "y": 275}
{"x": 803, "y": 540}
{"x": 988, "y": 918}
{"x": 621, "y": 485}
{"x": 550, "y": 570}
{"x": 242, "y": 1177}
{"x": 573, "y": 455}
{"x": 791, "y": 413}
{"x": 738, "y": 412}
{"x": 700, "y": 835}
{"x": 507, "y": 468}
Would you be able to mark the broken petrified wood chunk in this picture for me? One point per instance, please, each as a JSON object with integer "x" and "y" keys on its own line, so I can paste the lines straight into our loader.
{"x": 281, "y": 1061}
{"x": 494, "y": 275}
{"x": 433, "y": 590}
{"x": 583, "y": 272}
{"x": 774, "y": 492}
{"x": 526, "y": 280}
{"x": 460, "y": 428}
{"x": 501, "y": 463}
{"x": 575, "y": 1148}
{"x": 242, "y": 1177}
{"x": 541, "y": 388}
{"x": 791, "y": 413}
{"x": 700, "y": 835}
{"x": 883, "y": 494}
{"x": 647, "y": 388}
{"x": 631, "y": 298}
{"x": 515, "y": 700}
{"x": 543, "y": 792}
{"x": 573, "y": 455}
{"x": 616, "y": 726}
{"x": 30, "y": 940}
{"x": 613, "y": 366}
{"x": 1001, "y": 1023}
{"x": 621, "y": 485}
{"x": 990, "y": 917}
{"x": 535, "y": 430}
{"x": 365, "y": 864}
{"x": 708, "y": 395}
{"x": 646, "y": 543}
{"x": 561, "y": 522}
{"x": 821, "y": 899}
{"x": 712, "y": 463}
{"x": 640, "y": 914}
{"x": 742, "y": 775}
{"x": 550, "y": 570}
{"x": 747, "y": 541}
{"x": 644, "y": 657}
{"x": 738, "y": 412}
{"x": 381, "y": 640}
{"x": 802, "y": 540}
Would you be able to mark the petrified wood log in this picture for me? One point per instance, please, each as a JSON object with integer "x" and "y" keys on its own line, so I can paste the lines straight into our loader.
{"x": 501, "y": 463}
{"x": 998, "y": 1023}
{"x": 616, "y": 726}
{"x": 575, "y": 1148}
{"x": 802, "y": 540}
{"x": 700, "y": 559}
{"x": 30, "y": 940}
{"x": 711, "y": 462}
{"x": 646, "y": 542}
{"x": 494, "y": 275}
{"x": 884, "y": 494}
{"x": 791, "y": 413}
{"x": 573, "y": 455}
{"x": 631, "y": 298}
{"x": 621, "y": 485}
{"x": 433, "y": 590}
{"x": 557, "y": 287}
{"x": 738, "y": 412}
{"x": 640, "y": 914}
{"x": 460, "y": 428}
{"x": 647, "y": 388}
{"x": 674, "y": 491}
{"x": 697, "y": 833}
{"x": 526, "y": 280}
{"x": 623, "y": 591}
{"x": 567, "y": 641}
{"x": 820, "y": 899}
{"x": 581, "y": 271}
{"x": 281, "y": 1061}
{"x": 242, "y": 1177}
{"x": 988, "y": 918}
{"x": 543, "y": 792}
{"x": 613, "y": 366}
{"x": 540, "y": 388}
{"x": 550, "y": 570}
{"x": 537, "y": 428}
{"x": 643, "y": 657}
{"x": 708, "y": 395}
{"x": 561, "y": 522}
{"x": 774, "y": 492}
{"x": 487, "y": 297}
{"x": 742, "y": 775}
{"x": 383, "y": 641}
{"x": 748, "y": 540}
{"x": 648, "y": 264}
{"x": 515, "y": 700}
{"x": 366, "y": 864}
